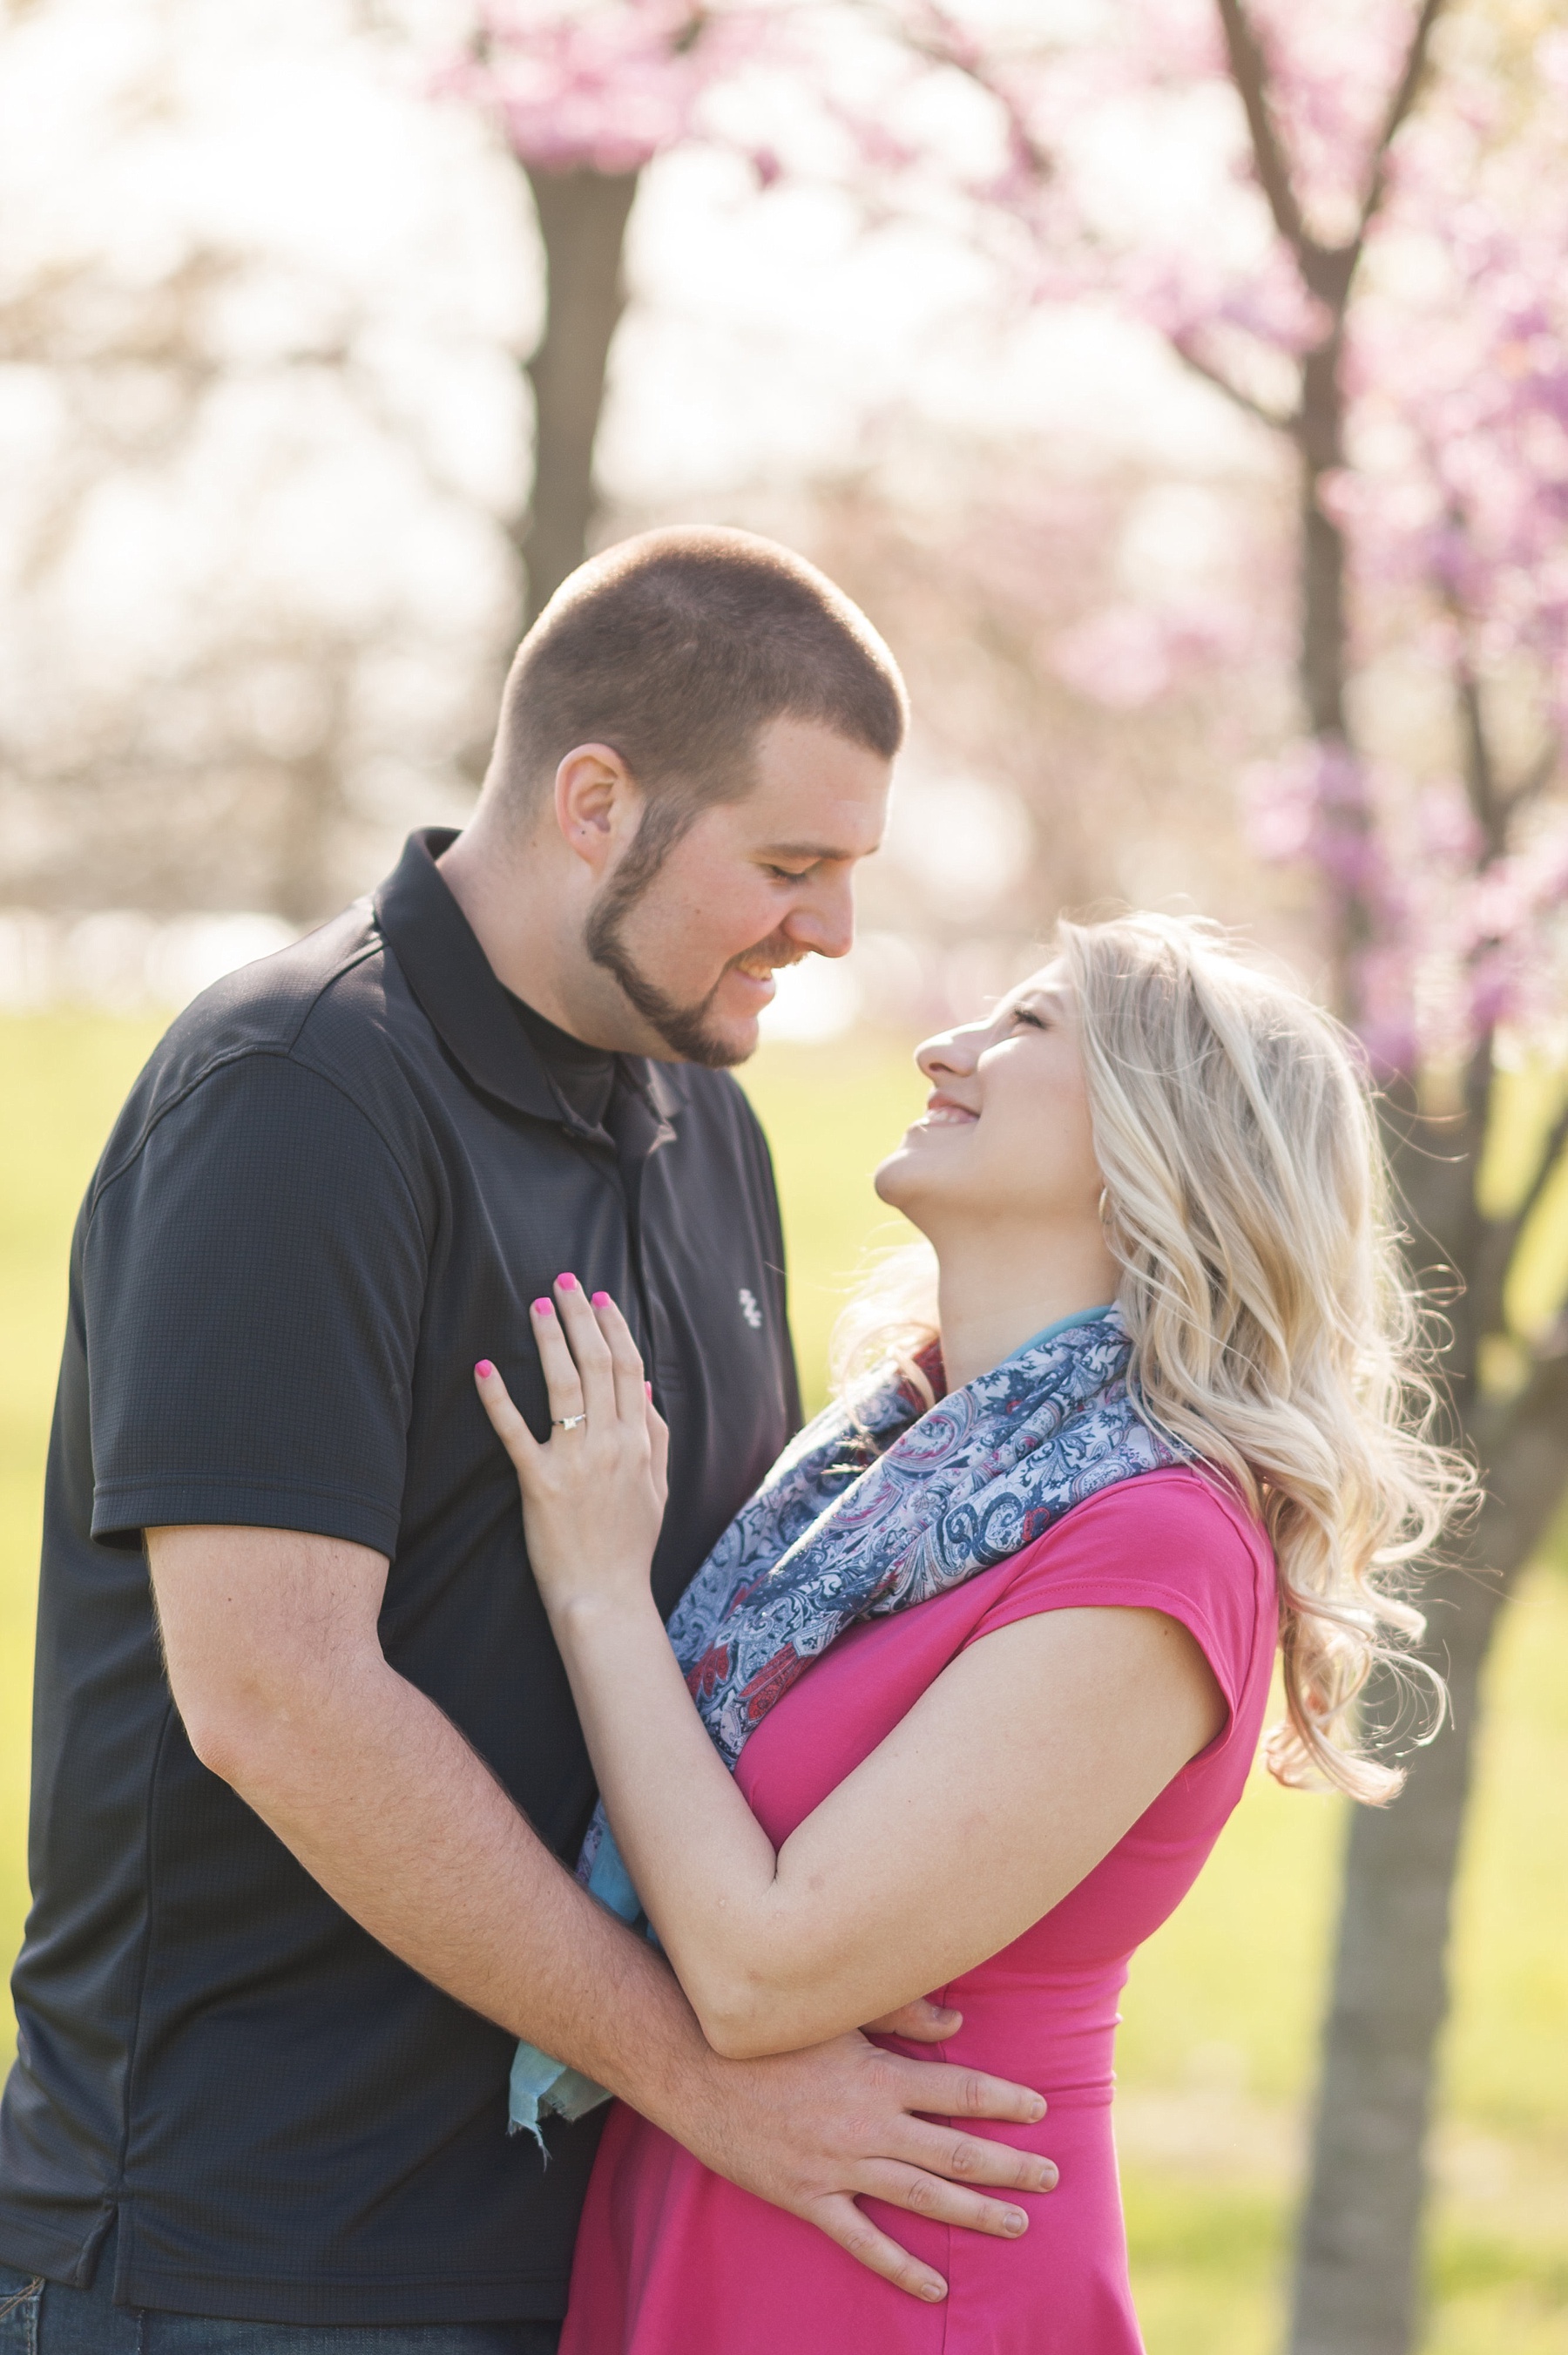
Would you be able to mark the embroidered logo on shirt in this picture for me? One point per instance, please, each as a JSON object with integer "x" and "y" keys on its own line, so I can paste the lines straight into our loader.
{"x": 750, "y": 1310}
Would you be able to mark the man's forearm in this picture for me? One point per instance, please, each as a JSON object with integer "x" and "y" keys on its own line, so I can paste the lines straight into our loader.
{"x": 386, "y": 1805}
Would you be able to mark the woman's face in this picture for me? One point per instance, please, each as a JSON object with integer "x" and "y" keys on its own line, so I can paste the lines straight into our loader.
{"x": 1004, "y": 1138}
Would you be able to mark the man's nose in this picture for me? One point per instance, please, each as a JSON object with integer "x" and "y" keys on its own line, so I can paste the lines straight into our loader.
{"x": 824, "y": 921}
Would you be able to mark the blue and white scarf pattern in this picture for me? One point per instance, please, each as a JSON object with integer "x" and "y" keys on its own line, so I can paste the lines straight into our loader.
{"x": 878, "y": 1504}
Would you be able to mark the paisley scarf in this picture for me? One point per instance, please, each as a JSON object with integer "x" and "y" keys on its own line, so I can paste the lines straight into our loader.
{"x": 880, "y": 1503}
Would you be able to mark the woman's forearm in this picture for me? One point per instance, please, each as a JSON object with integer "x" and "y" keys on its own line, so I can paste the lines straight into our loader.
{"x": 704, "y": 1868}
{"x": 1008, "y": 1780}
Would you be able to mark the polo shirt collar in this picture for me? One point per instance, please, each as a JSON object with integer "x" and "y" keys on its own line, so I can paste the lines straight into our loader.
{"x": 455, "y": 985}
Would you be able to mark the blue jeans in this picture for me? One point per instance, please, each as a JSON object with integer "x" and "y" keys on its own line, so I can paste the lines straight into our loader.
{"x": 46, "y": 2318}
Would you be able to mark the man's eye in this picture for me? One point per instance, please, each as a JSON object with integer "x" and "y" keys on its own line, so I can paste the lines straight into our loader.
{"x": 788, "y": 874}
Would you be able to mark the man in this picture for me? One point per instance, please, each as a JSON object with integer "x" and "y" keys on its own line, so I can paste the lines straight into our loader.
{"x": 298, "y": 1880}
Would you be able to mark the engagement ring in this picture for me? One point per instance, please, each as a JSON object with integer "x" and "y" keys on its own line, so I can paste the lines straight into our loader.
{"x": 568, "y": 1421}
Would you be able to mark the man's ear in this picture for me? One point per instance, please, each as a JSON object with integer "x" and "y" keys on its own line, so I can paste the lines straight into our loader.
{"x": 598, "y": 803}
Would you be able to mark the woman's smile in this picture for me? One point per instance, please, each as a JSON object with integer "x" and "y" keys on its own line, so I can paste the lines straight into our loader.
{"x": 944, "y": 1112}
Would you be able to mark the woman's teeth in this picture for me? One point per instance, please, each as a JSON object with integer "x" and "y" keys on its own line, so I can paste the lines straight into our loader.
{"x": 949, "y": 1116}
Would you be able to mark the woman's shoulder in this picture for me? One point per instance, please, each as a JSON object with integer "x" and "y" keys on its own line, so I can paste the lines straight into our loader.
{"x": 1180, "y": 1504}
{"x": 1179, "y": 1540}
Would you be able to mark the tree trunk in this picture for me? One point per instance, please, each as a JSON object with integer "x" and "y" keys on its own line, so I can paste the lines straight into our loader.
{"x": 1319, "y": 435}
{"x": 1357, "y": 2289}
{"x": 1323, "y": 650}
{"x": 582, "y": 217}
{"x": 312, "y": 803}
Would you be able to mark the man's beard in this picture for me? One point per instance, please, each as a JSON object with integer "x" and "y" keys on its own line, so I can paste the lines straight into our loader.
{"x": 684, "y": 1029}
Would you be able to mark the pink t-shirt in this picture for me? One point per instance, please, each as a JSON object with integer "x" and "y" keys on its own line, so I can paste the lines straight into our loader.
{"x": 673, "y": 2260}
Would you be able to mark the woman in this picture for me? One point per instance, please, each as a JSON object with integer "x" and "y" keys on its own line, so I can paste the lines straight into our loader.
{"x": 988, "y": 1655}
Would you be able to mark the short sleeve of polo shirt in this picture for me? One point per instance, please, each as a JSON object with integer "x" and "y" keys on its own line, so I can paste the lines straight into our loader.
{"x": 252, "y": 1279}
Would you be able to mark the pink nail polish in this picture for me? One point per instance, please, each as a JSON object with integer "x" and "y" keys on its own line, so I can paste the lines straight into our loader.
{"x": 567, "y": 1283}
{"x": 544, "y": 1308}
{"x": 483, "y": 1370}
{"x": 600, "y": 1300}
{"x": 648, "y": 1388}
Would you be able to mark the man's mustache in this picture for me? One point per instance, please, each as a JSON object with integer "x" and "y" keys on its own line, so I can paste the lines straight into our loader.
{"x": 769, "y": 957}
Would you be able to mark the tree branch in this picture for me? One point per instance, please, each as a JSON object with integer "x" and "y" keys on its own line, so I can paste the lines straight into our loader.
{"x": 1407, "y": 91}
{"x": 944, "y": 41}
{"x": 1520, "y": 1442}
{"x": 1489, "y": 809}
{"x": 1480, "y": 769}
{"x": 1212, "y": 374}
{"x": 1250, "y": 73}
{"x": 1551, "y": 1156}
{"x": 1536, "y": 778}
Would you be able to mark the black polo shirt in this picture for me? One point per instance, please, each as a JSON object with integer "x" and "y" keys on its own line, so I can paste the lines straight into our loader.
{"x": 341, "y": 1179}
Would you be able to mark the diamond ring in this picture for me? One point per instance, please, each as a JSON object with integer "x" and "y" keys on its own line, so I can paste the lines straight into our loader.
{"x": 568, "y": 1421}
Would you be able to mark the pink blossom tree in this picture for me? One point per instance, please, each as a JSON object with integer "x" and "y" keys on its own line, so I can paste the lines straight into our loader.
{"x": 1449, "y": 891}
{"x": 585, "y": 94}
{"x": 1378, "y": 275}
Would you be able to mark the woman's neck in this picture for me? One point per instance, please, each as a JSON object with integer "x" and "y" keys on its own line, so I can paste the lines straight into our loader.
{"x": 994, "y": 1296}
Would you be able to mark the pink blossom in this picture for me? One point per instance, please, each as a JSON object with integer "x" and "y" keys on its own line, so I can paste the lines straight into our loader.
{"x": 1127, "y": 655}
{"x": 1453, "y": 490}
{"x": 605, "y": 85}
{"x": 1119, "y": 657}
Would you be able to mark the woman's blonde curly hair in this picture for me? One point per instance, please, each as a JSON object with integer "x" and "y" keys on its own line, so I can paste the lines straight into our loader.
{"x": 1273, "y": 1331}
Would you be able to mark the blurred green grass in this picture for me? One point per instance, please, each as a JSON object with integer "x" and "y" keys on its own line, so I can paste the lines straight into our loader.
{"x": 1217, "y": 2049}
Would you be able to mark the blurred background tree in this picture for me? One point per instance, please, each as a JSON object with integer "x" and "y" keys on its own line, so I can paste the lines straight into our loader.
{"x": 584, "y": 98}
{"x": 1384, "y": 291}
{"x": 248, "y": 580}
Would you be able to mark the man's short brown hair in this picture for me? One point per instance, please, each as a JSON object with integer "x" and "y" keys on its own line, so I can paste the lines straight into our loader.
{"x": 675, "y": 649}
